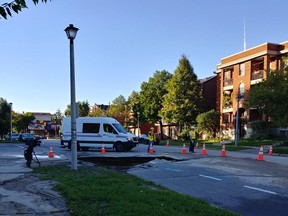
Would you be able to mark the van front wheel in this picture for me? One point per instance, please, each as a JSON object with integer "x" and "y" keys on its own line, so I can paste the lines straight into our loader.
{"x": 119, "y": 147}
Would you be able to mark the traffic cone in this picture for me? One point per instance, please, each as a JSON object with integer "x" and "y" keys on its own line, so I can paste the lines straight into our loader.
{"x": 270, "y": 151}
{"x": 51, "y": 153}
{"x": 167, "y": 143}
{"x": 103, "y": 151}
{"x": 151, "y": 151}
{"x": 184, "y": 149}
{"x": 260, "y": 154}
{"x": 223, "y": 152}
{"x": 204, "y": 150}
{"x": 197, "y": 145}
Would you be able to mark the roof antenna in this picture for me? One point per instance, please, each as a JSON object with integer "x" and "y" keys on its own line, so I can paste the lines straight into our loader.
{"x": 244, "y": 34}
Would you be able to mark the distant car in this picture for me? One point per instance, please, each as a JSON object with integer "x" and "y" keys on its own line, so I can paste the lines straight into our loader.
{"x": 144, "y": 139}
{"x": 15, "y": 136}
{"x": 27, "y": 136}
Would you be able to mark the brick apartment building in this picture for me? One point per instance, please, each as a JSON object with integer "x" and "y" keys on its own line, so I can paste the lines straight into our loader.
{"x": 236, "y": 75}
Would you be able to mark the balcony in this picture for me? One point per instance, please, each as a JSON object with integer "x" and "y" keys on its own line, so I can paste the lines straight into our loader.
{"x": 257, "y": 76}
{"x": 228, "y": 84}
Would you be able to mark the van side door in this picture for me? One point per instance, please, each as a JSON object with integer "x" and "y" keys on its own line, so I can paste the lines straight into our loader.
{"x": 90, "y": 135}
{"x": 109, "y": 134}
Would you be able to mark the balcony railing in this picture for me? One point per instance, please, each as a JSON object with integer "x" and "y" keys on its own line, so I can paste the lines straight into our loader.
{"x": 228, "y": 82}
{"x": 257, "y": 75}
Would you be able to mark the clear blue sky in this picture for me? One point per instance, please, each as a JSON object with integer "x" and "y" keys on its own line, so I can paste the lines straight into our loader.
{"x": 121, "y": 43}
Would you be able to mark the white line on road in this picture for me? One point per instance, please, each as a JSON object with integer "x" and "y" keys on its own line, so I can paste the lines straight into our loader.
{"x": 210, "y": 177}
{"x": 259, "y": 189}
{"x": 171, "y": 169}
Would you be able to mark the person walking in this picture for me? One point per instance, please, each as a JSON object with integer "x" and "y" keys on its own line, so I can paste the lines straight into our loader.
{"x": 151, "y": 138}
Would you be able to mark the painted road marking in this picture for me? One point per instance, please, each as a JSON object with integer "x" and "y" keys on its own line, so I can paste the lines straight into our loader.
{"x": 171, "y": 169}
{"x": 259, "y": 189}
{"x": 210, "y": 177}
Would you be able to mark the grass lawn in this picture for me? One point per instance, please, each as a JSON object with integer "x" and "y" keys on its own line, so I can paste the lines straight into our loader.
{"x": 98, "y": 191}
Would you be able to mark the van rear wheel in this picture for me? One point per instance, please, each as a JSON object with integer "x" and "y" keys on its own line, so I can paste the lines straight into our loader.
{"x": 119, "y": 147}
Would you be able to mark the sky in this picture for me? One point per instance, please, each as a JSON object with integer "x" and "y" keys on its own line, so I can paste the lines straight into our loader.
{"x": 121, "y": 43}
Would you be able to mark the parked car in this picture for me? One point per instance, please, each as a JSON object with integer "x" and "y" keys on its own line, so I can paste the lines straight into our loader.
{"x": 26, "y": 136}
{"x": 144, "y": 139}
{"x": 15, "y": 136}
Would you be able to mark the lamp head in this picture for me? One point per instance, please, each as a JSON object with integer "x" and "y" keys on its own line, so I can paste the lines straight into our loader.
{"x": 71, "y": 32}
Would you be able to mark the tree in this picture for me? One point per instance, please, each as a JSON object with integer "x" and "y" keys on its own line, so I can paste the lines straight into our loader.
{"x": 133, "y": 103}
{"x": 208, "y": 123}
{"x": 83, "y": 109}
{"x": 151, "y": 96}
{"x": 21, "y": 121}
{"x": 119, "y": 110}
{"x": 271, "y": 97}
{"x": 57, "y": 117}
{"x": 183, "y": 102}
{"x": 16, "y": 6}
{"x": 4, "y": 117}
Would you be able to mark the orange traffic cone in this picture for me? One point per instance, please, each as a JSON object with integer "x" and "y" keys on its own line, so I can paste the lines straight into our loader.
{"x": 151, "y": 151}
{"x": 270, "y": 151}
{"x": 184, "y": 149}
{"x": 167, "y": 143}
{"x": 223, "y": 152}
{"x": 103, "y": 151}
{"x": 197, "y": 145}
{"x": 51, "y": 153}
{"x": 260, "y": 154}
{"x": 204, "y": 150}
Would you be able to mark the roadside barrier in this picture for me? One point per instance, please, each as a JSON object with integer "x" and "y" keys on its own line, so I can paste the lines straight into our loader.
{"x": 270, "y": 151}
{"x": 51, "y": 153}
{"x": 260, "y": 154}
{"x": 103, "y": 151}
{"x": 167, "y": 143}
{"x": 223, "y": 152}
{"x": 151, "y": 151}
{"x": 184, "y": 149}
{"x": 204, "y": 152}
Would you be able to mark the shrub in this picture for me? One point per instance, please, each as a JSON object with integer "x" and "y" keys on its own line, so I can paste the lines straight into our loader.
{"x": 260, "y": 130}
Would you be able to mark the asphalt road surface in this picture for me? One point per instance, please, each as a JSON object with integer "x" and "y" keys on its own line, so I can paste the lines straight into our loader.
{"x": 238, "y": 182}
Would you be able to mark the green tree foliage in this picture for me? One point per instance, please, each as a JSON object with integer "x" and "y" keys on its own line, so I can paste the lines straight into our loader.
{"x": 183, "y": 102}
{"x": 57, "y": 117}
{"x": 134, "y": 105}
{"x": 16, "y": 6}
{"x": 21, "y": 121}
{"x": 4, "y": 117}
{"x": 208, "y": 123}
{"x": 271, "y": 97}
{"x": 151, "y": 95}
{"x": 83, "y": 109}
{"x": 119, "y": 110}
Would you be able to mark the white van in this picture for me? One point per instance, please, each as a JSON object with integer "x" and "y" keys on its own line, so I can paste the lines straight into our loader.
{"x": 93, "y": 132}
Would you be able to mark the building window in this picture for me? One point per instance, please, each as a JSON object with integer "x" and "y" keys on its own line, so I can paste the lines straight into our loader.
{"x": 242, "y": 69}
{"x": 226, "y": 118}
{"x": 241, "y": 90}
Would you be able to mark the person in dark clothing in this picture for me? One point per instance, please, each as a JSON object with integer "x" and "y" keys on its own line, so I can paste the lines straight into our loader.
{"x": 193, "y": 139}
{"x": 29, "y": 151}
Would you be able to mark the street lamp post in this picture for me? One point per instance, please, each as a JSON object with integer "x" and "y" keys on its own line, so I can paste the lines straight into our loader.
{"x": 138, "y": 124}
{"x": 10, "y": 121}
{"x": 238, "y": 98}
{"x": 71, "y": 32}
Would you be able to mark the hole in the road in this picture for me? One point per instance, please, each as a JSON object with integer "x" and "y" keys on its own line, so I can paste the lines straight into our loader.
{"x": 122, "y": 163}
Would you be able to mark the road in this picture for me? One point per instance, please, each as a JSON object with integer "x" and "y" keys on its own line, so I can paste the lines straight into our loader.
{"x": 238, "y": 182}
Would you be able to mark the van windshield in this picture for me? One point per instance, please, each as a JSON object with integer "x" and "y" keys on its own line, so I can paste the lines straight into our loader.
{"x": 119, "y": 128}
